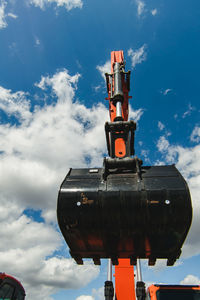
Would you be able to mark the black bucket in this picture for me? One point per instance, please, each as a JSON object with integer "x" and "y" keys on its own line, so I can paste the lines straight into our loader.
{"x": 125, "y": 215}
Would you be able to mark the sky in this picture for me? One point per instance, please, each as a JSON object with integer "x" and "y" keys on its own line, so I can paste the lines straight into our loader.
{"x": 53, "y": 56}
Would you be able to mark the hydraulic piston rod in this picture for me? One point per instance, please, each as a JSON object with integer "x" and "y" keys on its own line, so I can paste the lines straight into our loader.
{"x": 140, "y": 285}
{"x": 118, "y": 96}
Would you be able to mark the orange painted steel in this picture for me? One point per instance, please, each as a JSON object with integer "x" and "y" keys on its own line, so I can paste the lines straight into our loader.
{"x": 152, "y": 289}
{"x": 124, "y": 281}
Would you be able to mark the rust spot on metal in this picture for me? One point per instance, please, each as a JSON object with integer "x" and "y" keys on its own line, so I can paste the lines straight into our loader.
{"x": 85, "y": 199}
{"x": 153, "y": 201}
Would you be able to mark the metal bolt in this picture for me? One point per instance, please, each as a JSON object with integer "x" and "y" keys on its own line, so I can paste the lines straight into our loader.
{"x": 167, "y": 202}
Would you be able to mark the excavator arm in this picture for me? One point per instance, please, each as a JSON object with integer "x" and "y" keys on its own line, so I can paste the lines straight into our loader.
{"x": 124, "y": 210}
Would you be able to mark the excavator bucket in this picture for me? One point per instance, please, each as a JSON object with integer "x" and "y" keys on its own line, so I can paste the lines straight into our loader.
{"x": 124, "y": 209}
{"x": 124, "y": 215}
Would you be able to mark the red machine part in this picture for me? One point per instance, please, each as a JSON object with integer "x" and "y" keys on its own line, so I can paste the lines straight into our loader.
{"x": 11, "y": 288}
{"x": 124, "y": 281}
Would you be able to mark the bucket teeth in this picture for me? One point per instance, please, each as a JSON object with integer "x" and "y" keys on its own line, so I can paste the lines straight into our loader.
{"x": 152, "y": 261}
{"x": 97, "y": 261}
{"x": 114, "y": 260}
{"x": 133, "y": 261}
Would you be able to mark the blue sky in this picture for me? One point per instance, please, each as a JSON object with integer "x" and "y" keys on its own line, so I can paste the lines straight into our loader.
{"x": 52, "y": 111}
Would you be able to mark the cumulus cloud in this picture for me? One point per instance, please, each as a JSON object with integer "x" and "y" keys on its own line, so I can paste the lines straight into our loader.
{"x": 15, "y": 104}
{"x": 36, "y": 152}
{"x": 4, "y": 15}
{"x": 35, "y": 156}
{"x": 188, "y": 111}
{"x": 161, "y": 126}
{"x": 106, "y": 68}
{"x": 190, "y": 280}
{"x": 135, "y": 114}
{"x": 97, "y": 294}
{"x": 3, "y": 22}
{"x": 162, "y": 144}
{"x": 137, "y": 56}
{"x": 140, "y": 7}
{"x": 154, "y": 12}
{"x": 187, "y": 161}
{"x": 68, "y": 4}
{"x": 195, "y": 136}
{"x": 142, "y": 10}
{"x": 26, "y": 249}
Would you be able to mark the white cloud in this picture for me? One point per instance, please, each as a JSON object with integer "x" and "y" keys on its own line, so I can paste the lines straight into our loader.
{"x": 37, "y": 41}
{"x": 106, "y": 68}
{"x": 140, "y": 7}
{"x": 154, "y": 12}
{"x": 162, "y": 144}
{"x": 3, "y": 22}
{"x": 52, "y": 273}
{"x": 189, "y": 111}
{"x": 15, "y": 104}
{"x": 25, "y": 250}
{"x": 97, "y": 294}
{"x": 135, "y": 114}
{"x": 145, "y": 154}
{"x": 11, "y": 15}
{"x": 195, "y": 136}
{"x": 175, "y": 116}
{"x": 36, "y": 154}
{"x": 137, "y": 56}
{"x": 190, "y": 280}
{"x": 161, "y": 126}
{"x": 4, "y": 15}
{"x": 68, "y": 4}
{"x": 97, "y": 88}
{"x": 167, "y": 91}
{"x": 84, "y": 297}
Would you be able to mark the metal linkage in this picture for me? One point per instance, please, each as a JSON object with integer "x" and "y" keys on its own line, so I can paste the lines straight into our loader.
{"x": 140, "y": 285}
{"x": 108, "y": 290}
{"x": 124, "y": 130}
{"x": 118, "y": 96}
{"x": 138, "y": 270}
{"x": 117, "y": 165}
{"x": 108, "y": 285}
{"x": 109, "y": 270}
